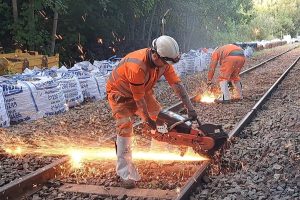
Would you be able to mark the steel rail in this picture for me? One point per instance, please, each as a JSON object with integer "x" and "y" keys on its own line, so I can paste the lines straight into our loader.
{"x": 31, "y": 182}
{"x": 249, "y": 116}
{"x": 264, "y": 62}
{"x": 196, "y": 178}
{"x": 179, "y": 105}
{"x": 34, "y": 180}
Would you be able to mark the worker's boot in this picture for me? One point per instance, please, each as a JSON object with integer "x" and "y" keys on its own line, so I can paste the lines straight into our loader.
{"x": 238, "y": 91}
{"x": 125, "y": 168}
{"x": 225, "y": 98}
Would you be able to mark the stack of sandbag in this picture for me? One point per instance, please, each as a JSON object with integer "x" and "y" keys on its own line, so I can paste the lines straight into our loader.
{"x": 205, "y": 56}
{"x": 88, "y": 83}
{"x": 69, "y": 84}
{"x": 198, "y": 67}
{"x": 32, "y": 97}
{"x": 83, "y": 65}
{"x": 189, "y": 60}
{"x": 104, "y": 66}
{"x": 101, "y": 82}
{"x": 180, "y": 67}
{"x": 100, "y": 78}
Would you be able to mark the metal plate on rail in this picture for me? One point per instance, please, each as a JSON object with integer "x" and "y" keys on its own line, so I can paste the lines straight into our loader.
{"x": 118, "y": 191}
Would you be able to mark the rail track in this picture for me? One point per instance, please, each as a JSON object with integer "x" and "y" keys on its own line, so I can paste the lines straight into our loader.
{"x": 248, "y": 117}
{"x": 35, "y": 180}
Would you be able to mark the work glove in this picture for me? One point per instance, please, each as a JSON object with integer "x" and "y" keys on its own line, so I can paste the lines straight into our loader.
{"x": 162, "y": 129}
{"x": 151, "y": 123}
{"x": 192, "y": 114}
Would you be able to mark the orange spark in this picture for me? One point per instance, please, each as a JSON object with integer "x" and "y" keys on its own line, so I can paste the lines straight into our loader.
{"x": 80, "y": 48}
{"x": 206, "y": 97}
{"x": 81, "y": 151}
{"x": 42, "y": 13}
{"x": 14, "y": 150}
{"x": 78, "y": 155}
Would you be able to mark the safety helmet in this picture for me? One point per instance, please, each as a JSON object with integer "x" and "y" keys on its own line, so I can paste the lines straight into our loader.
{"x": 166, "y": 48}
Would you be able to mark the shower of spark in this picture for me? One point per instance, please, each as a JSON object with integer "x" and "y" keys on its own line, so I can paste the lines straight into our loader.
{"x": 206, "y": 97}
{"x": 85, "y": 152}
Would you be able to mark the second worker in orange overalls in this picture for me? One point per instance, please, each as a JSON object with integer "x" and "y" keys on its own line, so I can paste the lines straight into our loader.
{"x": 231, "y": 59}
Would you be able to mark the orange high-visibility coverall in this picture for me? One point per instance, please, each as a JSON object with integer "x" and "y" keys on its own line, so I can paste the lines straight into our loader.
{"x": 231, "y": 59}
{"x": 133, "y": 79}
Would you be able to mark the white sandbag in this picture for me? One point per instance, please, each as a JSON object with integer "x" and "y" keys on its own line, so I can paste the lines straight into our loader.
{"x": 82, "y": 65}
{"x": 88, "y": 83}
{"x": 4, "y": 120}
{"x": 198, "y": 67}
{"x": 180, "y": 67}
{"x": 189, "y": 63}
{"x": 62, "y": 69}
{"x": 47, "y": 94}
{"x": 19, "y": 101}
{"x": 69, "y": 84}
{"x": 48, "y": 72}
{"x": 32, "y": 97}
{"x": 205, "y": 60}
{"x": 248, "y": 52}
{"x": 101, "y": 82}
{"x": 31, "y": 72}
{"x": 71, "y": 88}
{"x": 105, "y": 66}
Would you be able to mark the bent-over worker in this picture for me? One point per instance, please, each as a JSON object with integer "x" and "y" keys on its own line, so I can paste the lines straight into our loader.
{"x": 130, "y": 92}
{"x": 231, "y": 59}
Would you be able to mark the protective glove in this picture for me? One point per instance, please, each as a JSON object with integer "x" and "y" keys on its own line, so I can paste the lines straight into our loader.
{"x": 151, "y": 123}
{"x": 162, "y": 129}
{"x": 192, "y": 114}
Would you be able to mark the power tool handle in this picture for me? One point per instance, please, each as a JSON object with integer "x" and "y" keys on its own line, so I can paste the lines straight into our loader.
{"x": 178, "y": 123}
{"x": 199, "y": 123}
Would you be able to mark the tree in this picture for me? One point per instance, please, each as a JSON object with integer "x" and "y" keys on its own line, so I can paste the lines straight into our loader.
{"x": 15, "y": 10}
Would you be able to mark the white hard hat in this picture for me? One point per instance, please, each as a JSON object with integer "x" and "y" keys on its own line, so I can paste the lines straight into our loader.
{"x": 167, "y": 48}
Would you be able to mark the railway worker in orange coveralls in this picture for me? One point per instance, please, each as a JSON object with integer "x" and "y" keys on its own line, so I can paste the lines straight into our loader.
{"x": 231, "y": 59}
{"x": 130, "y": 91}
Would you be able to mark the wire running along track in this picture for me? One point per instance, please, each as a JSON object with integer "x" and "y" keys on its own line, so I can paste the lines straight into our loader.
{"x": 33, "y": 181}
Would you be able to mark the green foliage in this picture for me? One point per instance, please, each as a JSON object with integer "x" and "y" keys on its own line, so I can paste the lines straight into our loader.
{"x": 235, "y": 32}
{"x": 274, "y": 19}
{"x": 29, "y": 31}
{"x": 98, "y": 29}
{"x": 5, "y": 23}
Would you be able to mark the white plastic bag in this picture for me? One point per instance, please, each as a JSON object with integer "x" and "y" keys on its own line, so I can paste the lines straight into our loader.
{"x": 88, "y": 83}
